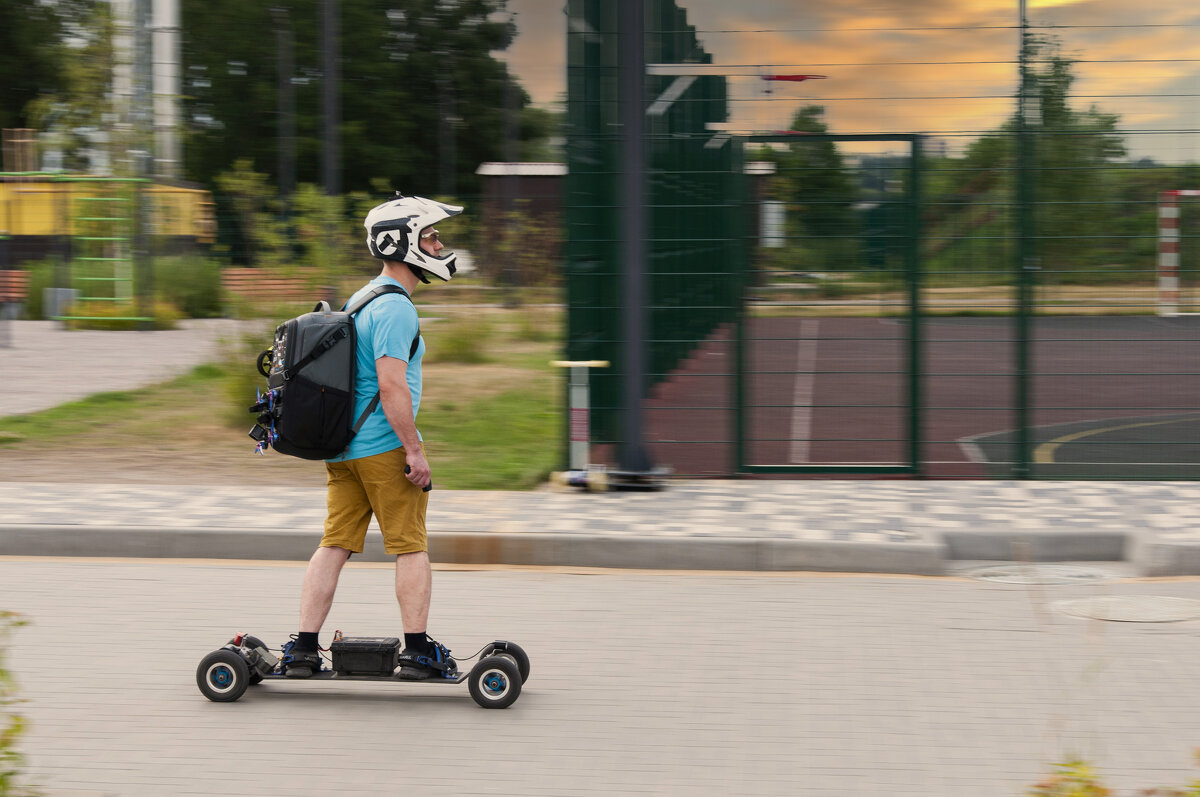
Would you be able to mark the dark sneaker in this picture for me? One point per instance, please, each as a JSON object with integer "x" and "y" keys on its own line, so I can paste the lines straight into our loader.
{"x": 436, "y": 663}
{"x": 299, "y": 663}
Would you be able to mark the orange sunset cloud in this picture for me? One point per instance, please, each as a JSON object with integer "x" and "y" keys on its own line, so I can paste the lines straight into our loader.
{"x": 945, "y": 67}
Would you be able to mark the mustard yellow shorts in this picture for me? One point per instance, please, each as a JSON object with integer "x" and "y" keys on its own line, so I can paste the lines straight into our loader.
{"x": 359, "y": 488}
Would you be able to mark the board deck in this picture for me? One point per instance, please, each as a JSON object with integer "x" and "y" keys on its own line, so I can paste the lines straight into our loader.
{"x": 333, "y": 675}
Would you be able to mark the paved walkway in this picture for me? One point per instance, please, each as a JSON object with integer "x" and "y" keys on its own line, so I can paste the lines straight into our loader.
{"x": 44, "y": 365}
{"x": 856, "y": 526}
{"x": 862, "y": 526}
{"x": 860, "y": 686}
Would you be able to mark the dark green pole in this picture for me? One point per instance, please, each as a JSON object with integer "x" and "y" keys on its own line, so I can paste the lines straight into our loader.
{"x": 331, "y": 100}
{"x": 914, "y": 307}
{"x": 1025, "y": 264}
{"x": 631, "y": 76}
{"x": 915, "y": 324}
{"x": 745, "y": 200}
{"x": 286, "y": 89}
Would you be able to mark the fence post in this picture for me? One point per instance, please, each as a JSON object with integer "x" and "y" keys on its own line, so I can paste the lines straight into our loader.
{"x": 581, "y": 473}
{"x": 631, "y": 113}
{"x": 913, "y": 258}
{"x": 1026, "y": 258}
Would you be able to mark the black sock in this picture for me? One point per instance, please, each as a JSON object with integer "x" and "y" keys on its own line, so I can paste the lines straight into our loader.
{"x": 417, "y": 643}
{"x": 307, "y": 640}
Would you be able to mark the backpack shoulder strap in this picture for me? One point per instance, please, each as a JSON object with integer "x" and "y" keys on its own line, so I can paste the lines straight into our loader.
{"x": 375, "y": 293}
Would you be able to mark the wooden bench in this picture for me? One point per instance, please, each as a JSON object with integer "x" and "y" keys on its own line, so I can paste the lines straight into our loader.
{"x": 268, "y": 288}
{"x": 14, "y": 290}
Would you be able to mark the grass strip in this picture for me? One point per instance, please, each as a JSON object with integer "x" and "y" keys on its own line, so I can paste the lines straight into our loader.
{"x": 507, "y": 441}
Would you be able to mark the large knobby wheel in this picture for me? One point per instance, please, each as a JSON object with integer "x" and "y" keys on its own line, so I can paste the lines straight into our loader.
{"x": 222, "y": 676}
{"x": 495, "y": 682}
{"x": 514, "y": 650}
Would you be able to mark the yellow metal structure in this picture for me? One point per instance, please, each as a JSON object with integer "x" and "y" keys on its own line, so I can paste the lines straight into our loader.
{"x": 97, "y": 219}
{"x": 37, "y": 205}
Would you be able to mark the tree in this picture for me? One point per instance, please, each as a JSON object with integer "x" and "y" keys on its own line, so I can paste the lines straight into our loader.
{"x": 538, "y": 129}
{"x": 1071, "y": 150}
{"x": 420, "y": 89}
{"x": 83, "y": 99}
{"x": 813, "y": 180}
{"x": 229, "y": 76}
{"x": 31, "y": 48}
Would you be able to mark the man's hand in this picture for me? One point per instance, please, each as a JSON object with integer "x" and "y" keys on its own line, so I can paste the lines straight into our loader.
{"x": 417, "y": 470}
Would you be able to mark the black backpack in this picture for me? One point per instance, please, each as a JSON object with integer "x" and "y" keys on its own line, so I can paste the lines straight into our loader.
{"x": 310, "y": 369}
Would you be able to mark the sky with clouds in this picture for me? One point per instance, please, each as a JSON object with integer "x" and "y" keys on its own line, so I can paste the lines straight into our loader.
{"x": 941, "y": 67}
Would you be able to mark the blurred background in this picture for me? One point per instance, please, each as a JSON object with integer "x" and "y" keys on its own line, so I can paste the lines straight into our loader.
{"x": 955, "y": 240}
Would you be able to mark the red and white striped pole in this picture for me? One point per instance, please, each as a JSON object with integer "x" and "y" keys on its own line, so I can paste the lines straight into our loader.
{"x": 1168, "y": 250}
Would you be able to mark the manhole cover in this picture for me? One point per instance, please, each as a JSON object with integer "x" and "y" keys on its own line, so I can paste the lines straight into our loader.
{"x": 1132, "y": 608}
{"x": 1038, "y": 574}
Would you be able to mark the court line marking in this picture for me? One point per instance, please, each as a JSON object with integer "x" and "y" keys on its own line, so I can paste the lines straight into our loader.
{"x": 802, "y": 394}
{"x": 1044, "y": 454}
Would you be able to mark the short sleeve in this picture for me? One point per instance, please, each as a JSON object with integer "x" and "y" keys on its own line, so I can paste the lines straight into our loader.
{"x": 394, "y": 327}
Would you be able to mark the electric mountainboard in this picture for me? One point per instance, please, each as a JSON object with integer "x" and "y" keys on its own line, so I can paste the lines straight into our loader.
{"x": 494, "y": 681}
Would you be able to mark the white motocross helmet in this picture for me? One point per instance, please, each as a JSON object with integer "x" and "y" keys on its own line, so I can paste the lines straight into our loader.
{"x": 394, "y": 229}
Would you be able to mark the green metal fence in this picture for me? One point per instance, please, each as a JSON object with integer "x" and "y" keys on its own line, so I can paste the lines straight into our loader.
{"x": 696, "y": 256}
{"x": 974, "y": 256}
{"x": 856, "y": 406}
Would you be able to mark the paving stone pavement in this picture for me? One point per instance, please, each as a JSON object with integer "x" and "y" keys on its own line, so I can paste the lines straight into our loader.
{"x": 862, "y": 526}
{"x": 711, "y": 684}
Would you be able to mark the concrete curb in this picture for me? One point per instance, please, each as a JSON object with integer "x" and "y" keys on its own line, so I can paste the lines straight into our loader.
{"x": 1039, "y": 545}
{"x": 1159, "y": 558}
{"x": 467, "y": 547}
{"x": 932, "y": 555}
{"x": 685, "y": 553}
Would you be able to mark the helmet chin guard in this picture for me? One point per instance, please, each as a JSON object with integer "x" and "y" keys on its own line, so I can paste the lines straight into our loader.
{"x": 394, "y": 230}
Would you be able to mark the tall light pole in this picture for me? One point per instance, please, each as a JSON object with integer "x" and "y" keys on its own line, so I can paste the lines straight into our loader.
{"x": 166, "y": 81}
{"x": 143, "y": 137}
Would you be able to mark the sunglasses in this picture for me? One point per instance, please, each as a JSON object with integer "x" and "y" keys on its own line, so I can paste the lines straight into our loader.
{"x": 431, "y": 235}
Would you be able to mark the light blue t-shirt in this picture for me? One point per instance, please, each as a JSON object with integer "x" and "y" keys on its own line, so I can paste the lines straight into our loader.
{"x": 386, "y": 328}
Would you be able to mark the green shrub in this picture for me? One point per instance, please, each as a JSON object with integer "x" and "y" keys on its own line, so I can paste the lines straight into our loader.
{"x": 114, "y": 316}
{"x": 184, "y": 286}
{"x": 240, "y": 376}
{"x": 1073, "y": 778}
{"x": 41, "y": 276}
{"x": 1077, "y": 778}
{"x": 12, "y": 724}
{"x": 190, "y": 283}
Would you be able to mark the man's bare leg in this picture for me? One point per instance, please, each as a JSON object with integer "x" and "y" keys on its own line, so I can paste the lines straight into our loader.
{"x": 320, "y": 582}
{"x": 414, "y": 586}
